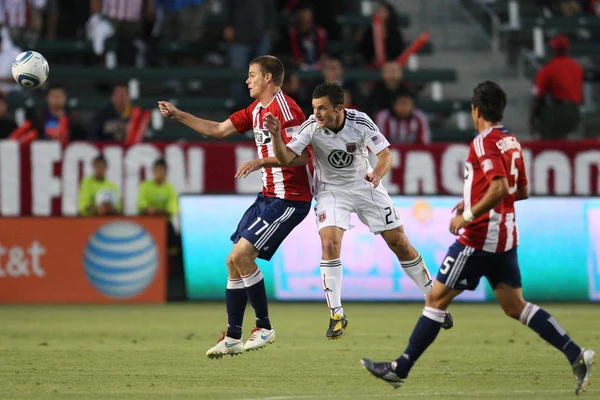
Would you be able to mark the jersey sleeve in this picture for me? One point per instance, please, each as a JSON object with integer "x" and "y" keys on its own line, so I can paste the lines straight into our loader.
{"x": 489, "y": 158}
{"x": 540, "y": 87}
{"x": 172, "y": 205}
{"x": 374, "y": 140}
{"x": 303, "y": 136}
{"x": 86, "y": 197}
{"x": 242, "y": 120}
{"x": 143, "y": 198}
{"x": 522, "y": 178}
{"x": 292, "y": 120}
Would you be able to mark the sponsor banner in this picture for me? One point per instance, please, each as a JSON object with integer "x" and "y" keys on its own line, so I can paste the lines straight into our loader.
{"x": 82, "y": 260}
{"x": 42, "y": 178}
{"x": 559, "y": 251}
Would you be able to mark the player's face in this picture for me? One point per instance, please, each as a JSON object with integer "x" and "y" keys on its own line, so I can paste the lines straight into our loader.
{"x": 57, "y": 98}
{"x": 257, "y": 82}
{"x": 325, "y": 113}
{"x": 403, "y": 107}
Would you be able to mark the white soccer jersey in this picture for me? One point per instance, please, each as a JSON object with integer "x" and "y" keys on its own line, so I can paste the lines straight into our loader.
{"x": 340, "y": 159}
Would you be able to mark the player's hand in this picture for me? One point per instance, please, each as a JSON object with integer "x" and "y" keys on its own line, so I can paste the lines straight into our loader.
{"x": 168, "y": 110}
{"x": 247, "y": 168}
{"x": 459, "y": 208}
{"x": 373, "y": 178}
{"x": 272, "y": 124}
{"x": 457, "y": 223}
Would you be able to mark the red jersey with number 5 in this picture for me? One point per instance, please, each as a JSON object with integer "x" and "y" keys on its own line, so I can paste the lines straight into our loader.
{"x": 494, "y": 153}
{"x": 285, "y": 183}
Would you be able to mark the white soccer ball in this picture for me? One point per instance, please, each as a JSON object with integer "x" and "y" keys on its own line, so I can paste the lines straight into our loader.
{"x": 30, "y": 69}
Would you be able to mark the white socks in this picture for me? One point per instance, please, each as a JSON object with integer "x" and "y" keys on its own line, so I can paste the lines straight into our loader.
{"x": 331, "y": 278}
{"x": 417, "y": 270}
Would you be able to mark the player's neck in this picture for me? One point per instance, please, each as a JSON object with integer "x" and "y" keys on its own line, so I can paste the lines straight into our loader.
{"x": 485, "y": 125}
{"x": 340, "y": 120}
{"x": 268, "y": 95}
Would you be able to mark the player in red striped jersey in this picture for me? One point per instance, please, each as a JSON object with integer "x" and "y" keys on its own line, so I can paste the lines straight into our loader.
{"x": 284, "y": 202}
{"x": 494, "y": 180}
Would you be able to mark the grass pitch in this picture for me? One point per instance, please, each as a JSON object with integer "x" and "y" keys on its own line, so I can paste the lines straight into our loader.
{"x": 157, "y": 352}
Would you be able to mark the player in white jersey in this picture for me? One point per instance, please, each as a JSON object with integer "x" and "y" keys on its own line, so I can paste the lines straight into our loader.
{"x": 345, "y": 183}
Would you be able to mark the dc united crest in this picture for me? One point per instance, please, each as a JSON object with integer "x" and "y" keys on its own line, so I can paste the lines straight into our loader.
{"x": 340, "y": 159}
{"x": 322, "y": 216}
{"x": 351, "y": 147}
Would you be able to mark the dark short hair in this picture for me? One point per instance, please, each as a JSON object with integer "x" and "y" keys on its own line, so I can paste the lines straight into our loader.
{"x": 270, "y": 65}
{"x": 160, "y": 163}
{"x": 120, "y": 84}
{"x": 56, "y": 86}
{"x": 404, "y": 93}
{"x": 490, "y": 100}
{"x": 332, "y": 90}
{"x": 99, "y": 158}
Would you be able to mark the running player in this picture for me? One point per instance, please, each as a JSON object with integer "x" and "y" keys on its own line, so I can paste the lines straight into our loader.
{"x": 284, "y": 202}
{"x": 494, "y": 180}
{"x": 345, "y": 183}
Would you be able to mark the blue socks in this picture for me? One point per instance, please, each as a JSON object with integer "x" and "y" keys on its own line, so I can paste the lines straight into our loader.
{"x": 257, "y": 293}
{"x": 236, "y": 299}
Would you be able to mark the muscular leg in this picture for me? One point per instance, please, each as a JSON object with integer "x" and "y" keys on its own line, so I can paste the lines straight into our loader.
{"x": 512, "y": 302}
{"x": 331, "y": 267}
{"x": 410, "y": 259}
{"x": 243, "y": 257}
{"x": 427, "y": 328}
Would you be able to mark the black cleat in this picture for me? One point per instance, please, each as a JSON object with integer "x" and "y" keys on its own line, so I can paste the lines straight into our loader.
{"x": 448, "y": 321}
{"x": 383, "y": 370}
{"x": 337, "y": 324}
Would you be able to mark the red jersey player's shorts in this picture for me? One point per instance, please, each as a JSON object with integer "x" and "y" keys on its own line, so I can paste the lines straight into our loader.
{"x": 464, "y": 266}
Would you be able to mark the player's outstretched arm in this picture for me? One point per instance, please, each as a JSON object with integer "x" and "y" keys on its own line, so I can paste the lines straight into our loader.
{"x": 284, "y": 155}
{"x": 215, "y": 130}
{"x": 269, "y": 162}
{"x": 496, "y": 192}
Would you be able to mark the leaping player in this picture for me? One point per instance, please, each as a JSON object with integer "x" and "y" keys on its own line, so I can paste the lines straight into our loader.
{"x": 284, "y": 202}
{"x": 494, "y": 180}
{"x": 345, "y": 183}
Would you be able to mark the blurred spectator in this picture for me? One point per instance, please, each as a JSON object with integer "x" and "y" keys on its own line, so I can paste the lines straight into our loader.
{"x": 248, "y": 32}
{"x": 119, "y": 120}
{"x": 97, "y": 195}
{"x": 55, "y": 122}
{"x": 557, "y": 93}
{"x": 327, "y": 14}
{"x": 24, "y": 18}
{"x": 8, "y": 53}
{"x": 127, "y": 17}
{"x": 7, "y": 125}
{"x": 384, "y": 91}
{"x": 393, "y": 42}
{"x": 66, "y": 18}
{"x": 591, "y": 6}
{"x": 157, "y": 196}
{"x": 110, "y": 123}
{"x": 304, "y": 42}
{"x": 291, "y": 86}
{"x": 333, "y": 71}
{"x": 403, "y": 123}
{"x": 183, "y": 19}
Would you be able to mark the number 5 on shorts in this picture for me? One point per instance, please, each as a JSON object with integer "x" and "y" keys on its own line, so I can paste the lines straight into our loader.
{"x": 447, "y": 264}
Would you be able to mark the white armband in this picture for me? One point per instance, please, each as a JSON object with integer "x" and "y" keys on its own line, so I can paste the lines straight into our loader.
{"x": 468, "y": 215}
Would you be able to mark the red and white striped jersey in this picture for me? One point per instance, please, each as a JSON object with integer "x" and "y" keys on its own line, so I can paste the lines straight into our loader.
{"x": 495, "y": 152}
{"x": 285, "y": 183}
{"x": 15, "y": 13}
{"x": 123, "y": 10}
{"x": 412, "y": 130}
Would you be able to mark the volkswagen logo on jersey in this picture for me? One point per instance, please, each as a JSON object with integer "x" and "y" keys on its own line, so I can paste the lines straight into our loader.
{"x": 262, "y": 136}
{"x": 351, "y": 147}
{"x": 340, "y": 159}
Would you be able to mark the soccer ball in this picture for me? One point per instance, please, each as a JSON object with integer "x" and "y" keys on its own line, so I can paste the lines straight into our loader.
{"x": 30, "y": 69}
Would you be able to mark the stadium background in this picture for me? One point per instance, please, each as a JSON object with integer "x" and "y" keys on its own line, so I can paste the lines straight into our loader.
{"x": 200, "y": 67}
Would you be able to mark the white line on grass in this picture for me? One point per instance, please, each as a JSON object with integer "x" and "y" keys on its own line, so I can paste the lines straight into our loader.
{"x": 397, "y": 393}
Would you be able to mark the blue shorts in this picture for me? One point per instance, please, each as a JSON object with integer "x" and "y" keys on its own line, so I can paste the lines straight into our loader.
{"x": 268, "y": 221}
{"x": 464, "y": 266}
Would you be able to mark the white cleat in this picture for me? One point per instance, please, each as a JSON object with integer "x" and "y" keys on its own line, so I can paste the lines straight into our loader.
{"x": 582, "y": 369}
{"x": 226, "y": 346}
{"x": 259, "y": 338}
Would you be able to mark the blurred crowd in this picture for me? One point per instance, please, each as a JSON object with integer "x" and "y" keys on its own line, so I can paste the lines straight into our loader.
{"x": 300, "y": 32}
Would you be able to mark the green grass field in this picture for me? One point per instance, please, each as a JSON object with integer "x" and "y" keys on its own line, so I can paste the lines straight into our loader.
{"x": 157, "y": 352}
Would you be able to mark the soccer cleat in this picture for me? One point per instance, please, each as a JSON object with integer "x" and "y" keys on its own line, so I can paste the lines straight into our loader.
{"x": 259, "y": 338}
{"x": 448, "y": 321}
{"x": 337, "y": 324}
{"x": 226, "y": 346}
{"x": 582, "y": 369}
{"x": 383, "y": 370}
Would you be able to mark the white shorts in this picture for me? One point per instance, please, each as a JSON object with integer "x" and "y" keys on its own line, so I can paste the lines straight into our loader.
{"x": 374, "y": 207}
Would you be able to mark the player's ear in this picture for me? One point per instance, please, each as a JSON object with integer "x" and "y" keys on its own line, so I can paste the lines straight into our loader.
{"x": 269, "y": 77}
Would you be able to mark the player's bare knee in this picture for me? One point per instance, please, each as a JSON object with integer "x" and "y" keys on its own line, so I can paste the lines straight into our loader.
{"x": 513, "y": 308}
{"x": 230, "y": 265}
{"x": 331, "y": 247}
